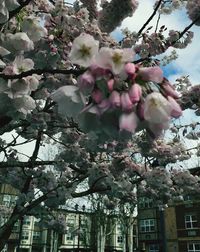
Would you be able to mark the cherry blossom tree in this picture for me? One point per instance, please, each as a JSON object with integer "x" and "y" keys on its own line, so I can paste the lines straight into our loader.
{"x": 103, "y": 105}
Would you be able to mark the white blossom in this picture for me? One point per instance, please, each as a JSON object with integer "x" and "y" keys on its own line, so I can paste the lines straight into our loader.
{"x": 157, "y": 108}
{"x": 114, "y": 59}
{"x": 33, "y": 28}
{"x": 24, "y": 104}
{"x": 19, "y": 42}
{"x": 84, "y": 49}
{"x": 21, "y": 65}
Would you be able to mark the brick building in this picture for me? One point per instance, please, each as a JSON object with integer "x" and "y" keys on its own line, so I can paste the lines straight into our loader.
{"x": 173, "y": 229}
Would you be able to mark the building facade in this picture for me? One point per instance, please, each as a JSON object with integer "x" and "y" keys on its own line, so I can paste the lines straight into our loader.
{"x": 173, "y": 229}
{"x": 81, "y": 232}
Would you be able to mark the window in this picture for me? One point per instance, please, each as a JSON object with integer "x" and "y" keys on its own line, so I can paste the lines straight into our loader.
{"x": 27, "y": 220}
{"x": 36, "y": 235}
{"x": 145, "y": 202}
{"x": 13, "y": 200}
{"x": 6, "y": 200}
{"x": 190, "y": 221}
{"x": 69, "y": 237}
{"x": 70, "y": 222}
{"x": 193, "y": 247}
{"x": 119, "y": 239}
{"x": 147, "y": 225}
{"x": 25, "y": 235}
{"x": 153, "y": 248}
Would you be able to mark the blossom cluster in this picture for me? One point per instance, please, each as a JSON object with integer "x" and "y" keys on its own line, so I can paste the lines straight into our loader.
{"x": 113, "y": 14}
{"x": 193, "y": 7}
{"x": 168, "y": 6}
{"x": 156, "y": 43}
{"x": 113, "y": 83}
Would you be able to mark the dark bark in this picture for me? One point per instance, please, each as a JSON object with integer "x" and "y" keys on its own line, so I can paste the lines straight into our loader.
{"x": 6, "y": 229}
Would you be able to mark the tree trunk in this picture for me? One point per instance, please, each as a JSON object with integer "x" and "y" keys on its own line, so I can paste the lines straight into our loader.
{"x": 6, "y": 229}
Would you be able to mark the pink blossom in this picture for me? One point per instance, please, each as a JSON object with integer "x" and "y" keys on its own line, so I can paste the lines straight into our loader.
{"x": 86, "y": 82}
{"x": 110, "y": 84}
{"x": 151, "y": 74}
{"x": 126, "y": 103}
{"x": 97, "y": 95}
{"x": 176, "y": 109}
{"x": 130, "y": 69}
{"x": 169, "y": 89}
{"x": 157, "y": 108}
{"x": 128, "y": 122}
{"x": 97, "y": 71}
{"x": 104, "y": 105}
{"x": 115, "y": 99}
{"x": 135, "y": 93}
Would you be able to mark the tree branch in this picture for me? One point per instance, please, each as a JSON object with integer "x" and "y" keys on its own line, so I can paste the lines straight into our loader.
{"x": 11, "y": 126}
{"x": 150, "y": 18}
{"x": 37, "y": 147}
{"x": 41, "y": 71}
{"x": 90, "y": 191}
{"x": 186, "y": 29}
{"x": 32, "y": 164}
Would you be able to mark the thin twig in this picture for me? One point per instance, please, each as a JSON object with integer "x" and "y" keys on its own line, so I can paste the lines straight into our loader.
{"x": 150, "y": 18}
{"x": 157, "y": 23}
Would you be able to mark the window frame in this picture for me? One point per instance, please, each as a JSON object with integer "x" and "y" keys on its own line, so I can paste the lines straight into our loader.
{"x": 119, "y": 239}
{"x": 147, "y": 225}
{"x": 192, "y": 222}
{"x": 193, "y": 249}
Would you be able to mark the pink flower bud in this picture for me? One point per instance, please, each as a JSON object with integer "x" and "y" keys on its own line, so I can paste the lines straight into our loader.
{"x": 86, "y": 82}
{"x": 151, "y": 74}
{"x": 104, "y": 105}
{"x": 110, "y": 84}
{"x": 126, "y": 103}
{"x": 97, "y": 95}
{"x": 169, "y": 89}
{"x": 115, "y": 99}
{"x": 130, "y": 69}
{"x": 176, "y": 109}
{"x": 128, "y": 122}
{"x": 54, "y": 49}
{"x": 135, "y": 93}
{"x": 97, "y": 71}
